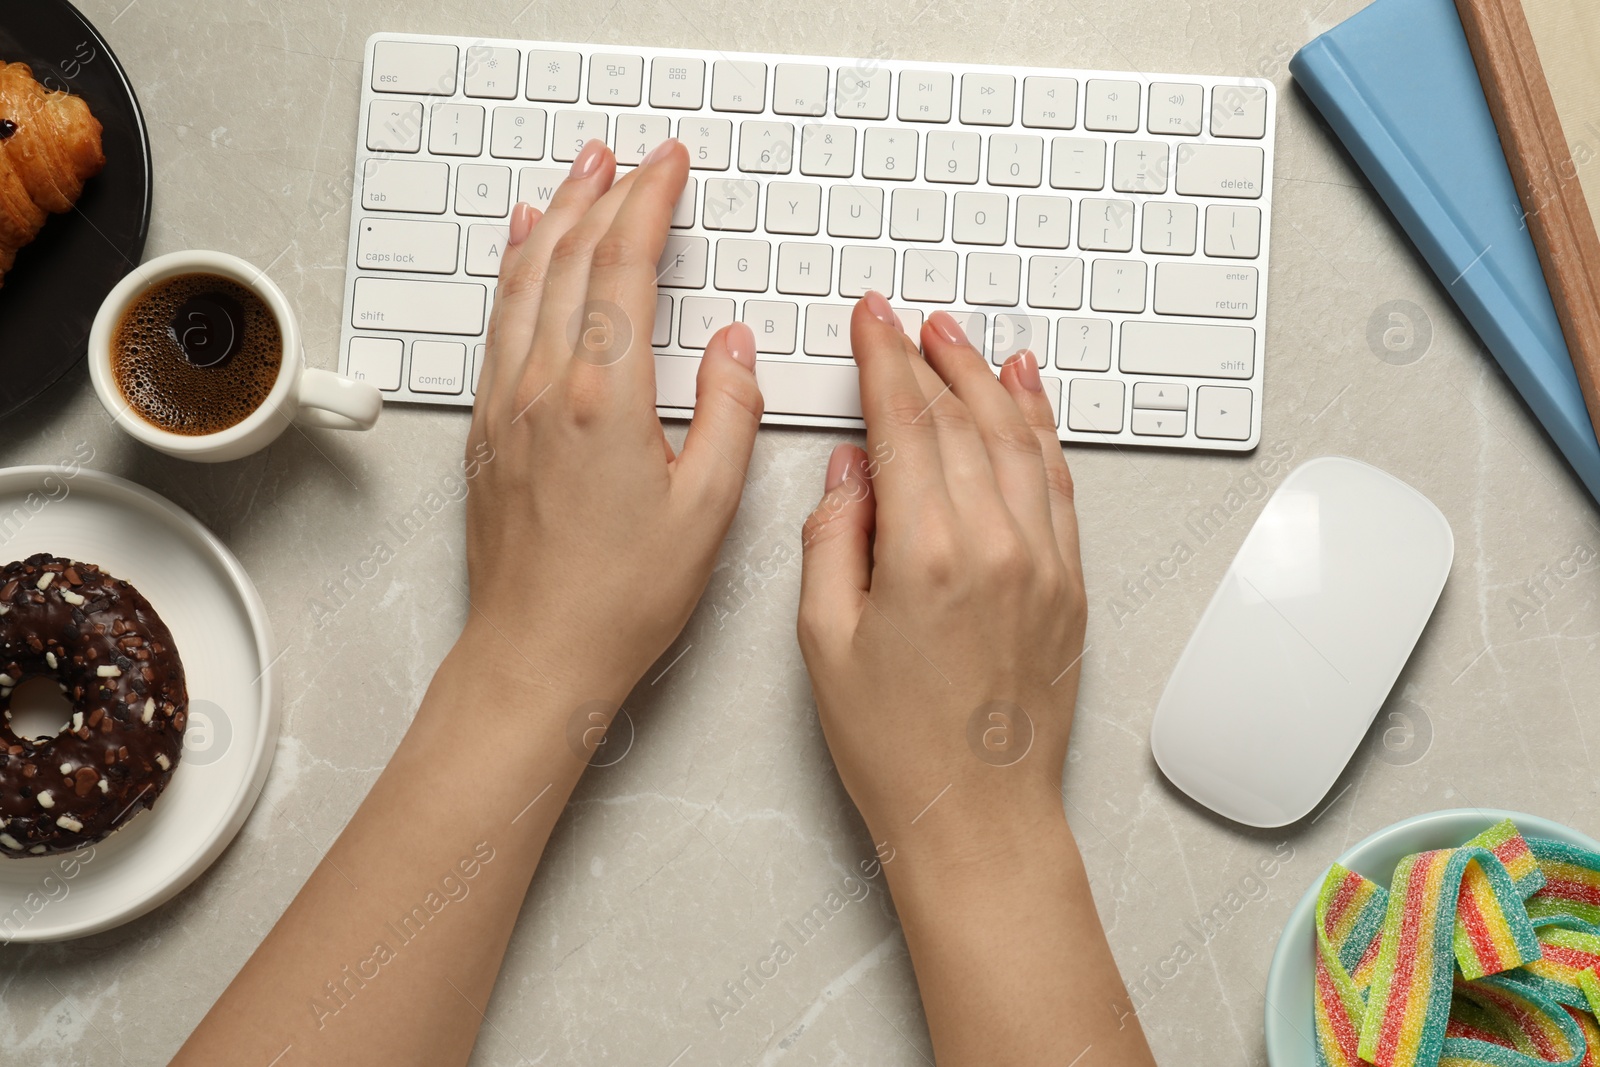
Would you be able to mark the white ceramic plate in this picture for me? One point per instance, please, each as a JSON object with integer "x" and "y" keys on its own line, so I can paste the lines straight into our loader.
{"x": 220, "y": 628}
{"x": 1290, "y": 1030}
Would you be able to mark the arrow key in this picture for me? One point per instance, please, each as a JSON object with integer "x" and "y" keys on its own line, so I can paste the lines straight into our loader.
{"x": 1094, "y": 405}
{"x": 1222, "y": 413}
{"x": 1159, "y": 423}
{"x": 1164, "y": 396}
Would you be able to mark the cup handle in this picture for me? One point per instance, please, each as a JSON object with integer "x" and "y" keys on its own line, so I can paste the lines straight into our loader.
{"x": 336, "y": 403}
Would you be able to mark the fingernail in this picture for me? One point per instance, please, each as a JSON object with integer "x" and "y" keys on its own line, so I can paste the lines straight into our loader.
{"x": 838, "y": 465}
{"x": 945, "y": 325}
{"x": 1028, "y": 371}
{"x": 741, "y": 341}
{"x": 587, "y": 160}
{"x": 880, "y": 308}
{"x": 658, "y": 152}
{"x": 522, "y": 220}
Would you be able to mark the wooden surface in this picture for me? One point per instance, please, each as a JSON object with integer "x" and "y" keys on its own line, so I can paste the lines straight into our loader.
{"x": 1546, "y": 176}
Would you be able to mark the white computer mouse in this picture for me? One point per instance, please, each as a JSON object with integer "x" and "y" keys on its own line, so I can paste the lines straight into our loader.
{"x": 1302, "y": 641}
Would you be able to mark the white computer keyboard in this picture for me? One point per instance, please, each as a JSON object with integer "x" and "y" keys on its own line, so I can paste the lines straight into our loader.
{"x": 1116, "y": 224}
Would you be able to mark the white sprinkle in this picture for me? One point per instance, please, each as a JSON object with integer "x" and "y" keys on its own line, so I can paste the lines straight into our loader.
{"x": 37, "y": 850}
{"x": 71, "y": 598}
{"x": 66, "y": 768}
{"x": 6, "y": 679}
{"x": 105, "y": 786}
{"x": 149, "y": 709}
{"x": 46, "y": 800}
{"x": 50, "y": 658}
{"x": 161, "y": 758}
{"x": 67, "y": 822}
{"x": 109, "y": 670}
{"x": 5, "y": 690}
{"x": 77, "y": 720}
{"x": 4, "y": 608}
{"x": 45, "y": 579}
{"x": 10, "y": 842}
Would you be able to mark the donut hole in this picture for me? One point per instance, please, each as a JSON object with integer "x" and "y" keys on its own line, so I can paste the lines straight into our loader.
{"x": 39, "y": 708}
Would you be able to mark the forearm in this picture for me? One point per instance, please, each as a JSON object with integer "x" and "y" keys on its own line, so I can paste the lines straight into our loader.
{"x": 390, "y": 951}
{"x": 1010, "y": 957}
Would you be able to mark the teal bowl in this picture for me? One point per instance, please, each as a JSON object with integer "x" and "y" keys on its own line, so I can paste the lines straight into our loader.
{"x": 1291, "y": 1033}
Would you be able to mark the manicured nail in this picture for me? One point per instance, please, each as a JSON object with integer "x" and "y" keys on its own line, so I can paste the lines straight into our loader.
{"x": 741, "y": 341}
{"x": 1028, "y": 371}
{"x": 945, "y": 325}
{"x": 838, "y": 465}
{"x": 587, "y": 160}
{"x": 523, "y": 217}
{"x": 880, "y": 308}
{"x": 658, "y": 152}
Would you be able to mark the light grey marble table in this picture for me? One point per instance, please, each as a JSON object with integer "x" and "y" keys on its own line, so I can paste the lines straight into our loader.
{"x": 678, "y": 867}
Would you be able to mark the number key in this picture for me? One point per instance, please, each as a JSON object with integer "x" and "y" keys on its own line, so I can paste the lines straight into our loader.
{"x": 517, "y": 133}
{"x": 827, "y": 151}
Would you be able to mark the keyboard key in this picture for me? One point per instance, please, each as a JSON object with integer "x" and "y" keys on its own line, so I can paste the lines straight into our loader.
{"x": 980, "y": 218}
{"x": 1149, "y": 423}
{"x": 683, "y": 263}
{"x": 889, "y": 155}
{"x": 1169, "y": 228}
{"x": 537, "y": 185}
{"x": 376, "y": 360}
{"x": 1105, "y": 225}
{"x": 855, "y": 211}
{"x": 1044, "y": 221}
{"x": 1083, "y": 344}
{"x": 1239, "y": 111}
{"x": 1222, "y": 413}
{"x": 993, "y": 278}
{"x": 731, "y": 204}
{"x": 554, "y": 76}
{"x": 1175, "y": 109}
{"x": 917, "y": 215}
{"x": 910, "y": 322}
{"x": 683, "y": 210}
{"x": 1015, "y": 159}
{"x": 394, "y": 126}
{"x": 743, "y": 266}
{"x": 456, "y": 130}
{"x": 483, "y": 191}
{"x": 397, "y": 244}
{"x": 517, "y": 133}
{"x": 484, "y": 245}
{"x": 974, "y": 324}
{"x": 805, "y": 269}
{"x": 820, "y": 389}
{"x": 1118, "y": 285}
{"x": 738, "y": 85}
{"x": 800, "y": 89}
{"x": 709, "y": 141}
{"x": 1206, "y": 289}
{"x": 863, "y": 267}
{"x": 766, "y": 147}
{"x": 405, "y": 306}
{"x": 1163, "y": 396}
{"x": 1052, "y": 389}
{"x": 794, "y": 207}
{"x": 477, "y": 366}
{"x": 1111, "y": 105}
{"x": 862, "y": 92}
{"x": 616, "y": 80}
{"x": 1055, "y": 282}
{"x": 1049, "y": 103}
{"x": 677, "y": 82}
{"x": 827, "y": 330}
{"x": 637, "y": 135}
{"x": 774, "y": 322}
{"x": 1233, "y": 232}
{"x": 438, "y": 366}
{"x": 827, "y": 151}
{"x": 661, "y": 328}
{"x": 413, "y": 67}
{"x": 1094, "y": 405}
{"x": 405, "y": 185}
{"x": 702, "y": 316}
{"x": 492, "y": 72}
{"x": 953, "y": 157}
{"x": 924, "y": 96}
{"x": 1013, "y": 333}
{"x": 1189, "y": 350}
{"x": 1077, "y": 163}
{"x": 929, "y": 275}
{"x": 573, "y": 130}
{"x": 1139, "y": 167}
{"x": 1220, "y": 170}
{"x": 988, "y": 99}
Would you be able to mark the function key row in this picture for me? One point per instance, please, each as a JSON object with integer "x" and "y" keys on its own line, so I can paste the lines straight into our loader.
{"x": 803, "y": 89}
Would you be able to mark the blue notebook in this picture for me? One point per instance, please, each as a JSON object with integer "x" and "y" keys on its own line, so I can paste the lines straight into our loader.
{"x": 1397, "y": 84}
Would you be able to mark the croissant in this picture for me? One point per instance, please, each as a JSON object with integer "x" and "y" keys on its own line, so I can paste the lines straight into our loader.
{"x": 49, "y": 146}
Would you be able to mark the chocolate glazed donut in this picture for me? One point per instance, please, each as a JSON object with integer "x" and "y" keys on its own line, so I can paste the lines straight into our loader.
{"x": 114, "y": 659}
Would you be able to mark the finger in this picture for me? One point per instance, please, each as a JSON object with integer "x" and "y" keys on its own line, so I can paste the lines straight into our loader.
{"x": 1020, "y": 377}
{"x": 1011, "y": 444}
{"x": 523, "y": 219}
{"x": 836, "y": 548}
{"x": 727, "y": 410}
{"x": 911, "y": 478}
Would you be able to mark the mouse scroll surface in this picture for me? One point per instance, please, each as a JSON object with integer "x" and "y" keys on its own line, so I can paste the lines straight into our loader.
{"x": 1302, "y": 642}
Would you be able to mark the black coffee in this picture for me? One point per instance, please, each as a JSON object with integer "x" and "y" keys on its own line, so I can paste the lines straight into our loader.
{"x": 196, "y": 353}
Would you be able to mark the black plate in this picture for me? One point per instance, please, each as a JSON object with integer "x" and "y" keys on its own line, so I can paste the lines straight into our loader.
{"x": 50, "y": 296}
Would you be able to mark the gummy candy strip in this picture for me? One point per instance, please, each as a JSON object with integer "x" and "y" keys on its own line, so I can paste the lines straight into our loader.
{"x": 1511, "y": 849}
{"x": 1514, "y": 1026}
{"x": 1350, "y": 912}
{"x": 1569, "y": 953}
{"x": 1572, "y": 881}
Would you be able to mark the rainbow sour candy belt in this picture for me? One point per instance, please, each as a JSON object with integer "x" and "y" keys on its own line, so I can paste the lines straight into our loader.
{"x": 1487, "y": 955}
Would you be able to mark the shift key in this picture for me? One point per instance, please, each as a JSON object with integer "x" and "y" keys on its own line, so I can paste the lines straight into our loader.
{"x": 400, "y": 305}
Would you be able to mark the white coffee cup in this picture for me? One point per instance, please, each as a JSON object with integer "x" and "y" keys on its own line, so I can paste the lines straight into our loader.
{"x": 302, "y": 394}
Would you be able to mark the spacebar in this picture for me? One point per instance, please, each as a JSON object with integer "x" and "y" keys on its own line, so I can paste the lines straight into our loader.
{"x": 827, "y": 390}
